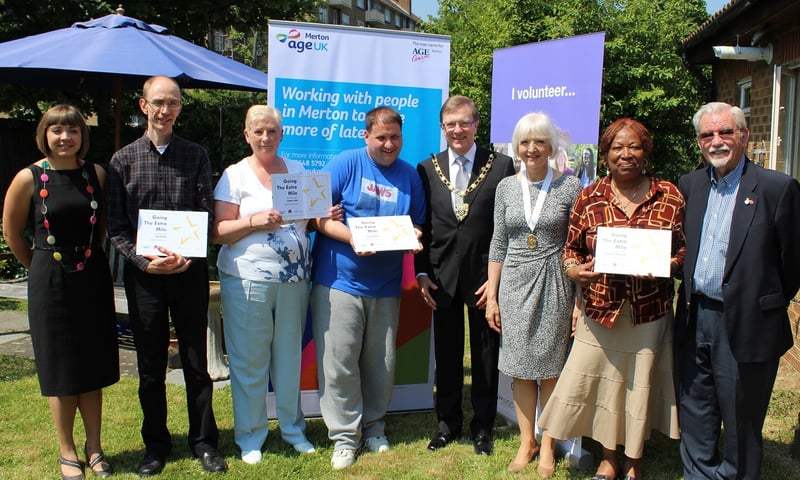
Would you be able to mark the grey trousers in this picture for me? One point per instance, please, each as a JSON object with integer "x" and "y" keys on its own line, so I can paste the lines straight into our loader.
{"x": 354, "y": 338}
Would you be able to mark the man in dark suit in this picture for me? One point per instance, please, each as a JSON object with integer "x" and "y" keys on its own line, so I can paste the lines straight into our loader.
{"x": 742, "y": 232}
{"x": 459, "y": 186}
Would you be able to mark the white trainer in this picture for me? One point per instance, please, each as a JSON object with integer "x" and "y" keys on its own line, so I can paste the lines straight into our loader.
{"x": 377, "y": 444}
{"x": 343, "y": 458}
{"x": 252, "y": 457}
{"x": 304, "y": 447}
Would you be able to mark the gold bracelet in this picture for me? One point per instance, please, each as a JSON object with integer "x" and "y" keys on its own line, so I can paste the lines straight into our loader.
{"x": 570, "y": 264}
{"x": 250, "y": 221}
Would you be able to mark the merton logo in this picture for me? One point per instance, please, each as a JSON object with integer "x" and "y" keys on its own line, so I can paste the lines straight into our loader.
{"x": 303, "y": 42}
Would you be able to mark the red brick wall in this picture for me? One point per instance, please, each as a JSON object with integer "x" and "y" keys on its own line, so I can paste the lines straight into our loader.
{"x": 793, "y": 355}
{"x": 785, "y": 41}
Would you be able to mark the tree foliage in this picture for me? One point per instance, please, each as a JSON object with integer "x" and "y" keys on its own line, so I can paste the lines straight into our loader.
{"x": 188, "y": 19}
{"x": 192, "y": 20}
{"x": 643, "y": 76}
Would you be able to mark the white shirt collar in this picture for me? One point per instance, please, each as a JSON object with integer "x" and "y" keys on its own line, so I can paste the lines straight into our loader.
{"x": 470, "y": 156}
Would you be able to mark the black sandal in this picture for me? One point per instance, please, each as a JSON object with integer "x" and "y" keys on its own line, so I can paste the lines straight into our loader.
{"x": 104, "y": 472}
{"x": 71, "y": 463}
{"x": 598, "y": 476}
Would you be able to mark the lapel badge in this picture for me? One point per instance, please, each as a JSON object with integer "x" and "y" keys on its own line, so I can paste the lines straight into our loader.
{"x": 749, "y": 201}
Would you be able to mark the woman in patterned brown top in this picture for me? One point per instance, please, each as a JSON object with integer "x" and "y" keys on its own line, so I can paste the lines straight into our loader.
{"x": 617, "y": 383}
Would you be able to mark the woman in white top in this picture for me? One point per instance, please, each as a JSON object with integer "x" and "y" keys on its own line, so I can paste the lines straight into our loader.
{"x": 264, "y": 267}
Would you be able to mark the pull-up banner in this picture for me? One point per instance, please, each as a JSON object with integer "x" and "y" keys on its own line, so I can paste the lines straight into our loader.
{"x": 324, "y": 79}
{"x": 562, "y": 78}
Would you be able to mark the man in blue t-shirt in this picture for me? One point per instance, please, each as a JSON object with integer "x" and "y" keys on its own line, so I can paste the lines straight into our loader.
{"x": 355, "y": 301}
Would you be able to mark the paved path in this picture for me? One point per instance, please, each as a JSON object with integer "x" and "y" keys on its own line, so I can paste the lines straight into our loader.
{"x": 15, "y": 339}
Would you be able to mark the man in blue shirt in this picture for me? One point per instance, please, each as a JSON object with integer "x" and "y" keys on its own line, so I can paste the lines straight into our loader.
{"x": 355, "y": 301}
{"x": 740, "y": 273}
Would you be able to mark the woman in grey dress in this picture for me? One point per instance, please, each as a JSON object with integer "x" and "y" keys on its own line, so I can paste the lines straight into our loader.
{"x": 529, "y": 299}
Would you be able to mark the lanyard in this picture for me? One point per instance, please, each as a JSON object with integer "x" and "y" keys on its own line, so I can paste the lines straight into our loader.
{"x": 532, "y": 217}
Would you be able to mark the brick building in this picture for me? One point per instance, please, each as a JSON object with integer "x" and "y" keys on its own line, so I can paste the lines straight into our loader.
{"x": 388, "y": 14}
{"x": 385, "y": 14}
{"x": 764, "y": 80}
{"x": 748, "y": 54}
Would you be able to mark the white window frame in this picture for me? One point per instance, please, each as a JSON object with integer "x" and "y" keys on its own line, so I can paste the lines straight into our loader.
{"x": 219, "y": 41}
{"x": 743, "y": 90}
{"x": 786, "y": 119}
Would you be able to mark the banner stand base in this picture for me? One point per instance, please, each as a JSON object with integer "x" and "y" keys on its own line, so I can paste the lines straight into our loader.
{"x": 571, "y": 449}
{"x": 582, "y": 460}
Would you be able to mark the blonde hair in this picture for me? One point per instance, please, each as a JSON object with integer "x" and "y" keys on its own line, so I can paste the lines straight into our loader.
{"x": 262, "y": 112}
{"x": 538, "y": 124}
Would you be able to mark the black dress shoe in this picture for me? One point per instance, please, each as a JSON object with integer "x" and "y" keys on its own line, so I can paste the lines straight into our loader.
{"x": 482, "y": 444}
{"x": 213, "y": 462}
{"x": 440, "y": 440}
{"x": 71, "y": 463}
{"x": 151, "y": 465}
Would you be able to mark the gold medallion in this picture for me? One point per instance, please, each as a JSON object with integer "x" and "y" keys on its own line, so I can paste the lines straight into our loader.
{"x": 532, "y": 240}
{"x": 462, "y": 210}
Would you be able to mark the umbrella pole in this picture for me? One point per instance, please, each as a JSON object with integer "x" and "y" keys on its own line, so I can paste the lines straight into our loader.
{"x": 117, "y": 112}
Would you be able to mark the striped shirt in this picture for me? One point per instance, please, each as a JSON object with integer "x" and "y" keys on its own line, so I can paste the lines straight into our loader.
{"x": 716, "y": 232}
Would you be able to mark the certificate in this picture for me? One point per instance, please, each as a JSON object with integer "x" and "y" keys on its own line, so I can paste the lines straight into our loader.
{"x": 182, "y": 232}
{"x": 379, "y": 234}
{"x": 301, "y": 195}
{"x": 633, "y": 251}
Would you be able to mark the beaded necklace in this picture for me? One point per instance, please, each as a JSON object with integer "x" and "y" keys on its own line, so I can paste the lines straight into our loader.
{"x": 51, "y": 239}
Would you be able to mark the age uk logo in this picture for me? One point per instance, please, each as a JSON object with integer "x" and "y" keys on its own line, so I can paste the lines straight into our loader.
{"x": 294, "y": 34}
{"x": 297, "y": 41}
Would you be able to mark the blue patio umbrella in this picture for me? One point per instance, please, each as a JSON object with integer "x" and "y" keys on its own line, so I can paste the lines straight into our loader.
{"x": 119, "y": 52}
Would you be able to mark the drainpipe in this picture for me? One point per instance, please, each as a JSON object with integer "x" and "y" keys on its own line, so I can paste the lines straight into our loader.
{"x": 707, "y": 83}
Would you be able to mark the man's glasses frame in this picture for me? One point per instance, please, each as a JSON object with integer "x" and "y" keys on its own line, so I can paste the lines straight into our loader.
{"x": 160, "y": 104}
{"x": 450, "y": 126}
{"x": 726, "y": 134}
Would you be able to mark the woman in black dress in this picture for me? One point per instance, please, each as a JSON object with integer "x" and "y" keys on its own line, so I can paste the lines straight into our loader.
{"x": 70, "y": 292}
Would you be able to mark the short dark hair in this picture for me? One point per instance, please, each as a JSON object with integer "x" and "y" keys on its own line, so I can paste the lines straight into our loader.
{"x": 383, "y": 115}
{"x": 62, "y": 114}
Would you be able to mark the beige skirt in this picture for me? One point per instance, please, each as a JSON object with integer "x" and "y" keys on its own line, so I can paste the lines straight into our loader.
{"x": 616, "y": 386}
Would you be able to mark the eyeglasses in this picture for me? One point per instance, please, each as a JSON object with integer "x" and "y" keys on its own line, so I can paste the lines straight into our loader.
{"x": 724, "y": 134}
{"x": 449, "y": 126}
{"x": 160, "y": 104}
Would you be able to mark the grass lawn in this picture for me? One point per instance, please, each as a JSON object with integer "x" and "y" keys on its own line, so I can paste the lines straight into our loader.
{"x": 28, "y": 446}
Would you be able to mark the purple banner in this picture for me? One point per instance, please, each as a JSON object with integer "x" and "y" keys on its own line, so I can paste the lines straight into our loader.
{"x": 562, "y": 78}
